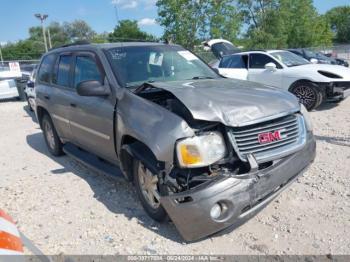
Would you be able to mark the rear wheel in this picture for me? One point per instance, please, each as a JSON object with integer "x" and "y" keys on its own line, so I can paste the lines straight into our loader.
{"x": 147, "y": 188}
{"x": 307, "y": 94}
{"x": 52, "y": 140}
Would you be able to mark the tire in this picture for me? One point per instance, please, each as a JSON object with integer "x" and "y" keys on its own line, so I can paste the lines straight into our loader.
{"x": 307, "y": 94}
{"x": 52, "y": 140}
{"x": 155, "y": 211}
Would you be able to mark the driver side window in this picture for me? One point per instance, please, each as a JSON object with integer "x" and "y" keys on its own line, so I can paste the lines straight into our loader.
{"x": 258, "y": 61}
{"x": 86, "y": 69}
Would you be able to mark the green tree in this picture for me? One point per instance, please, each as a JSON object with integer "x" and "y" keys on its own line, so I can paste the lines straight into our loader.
{"x": 186, "y": 22}
{"x": 57, "y": 34}
{"x": 284, "y": 23}
{"x": 22, "y": 50}
{"x": 128, "y": 30}
{"x": 223, "y": 19}
{"x": 78, "y": 30}
{"x": 339, "y": 19}
{"x": 304, "y": 26}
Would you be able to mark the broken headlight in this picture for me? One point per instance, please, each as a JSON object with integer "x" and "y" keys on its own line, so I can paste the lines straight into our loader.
{"x": 202, "y": 150}
{"x": 307, "y": 118}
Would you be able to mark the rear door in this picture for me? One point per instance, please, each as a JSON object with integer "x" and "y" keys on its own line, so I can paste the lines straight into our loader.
{"x": 258, "y": 73}
{"x": 235, "y": 66}
{"x": 92, "y": 118}
{"x": 61, "y": 93}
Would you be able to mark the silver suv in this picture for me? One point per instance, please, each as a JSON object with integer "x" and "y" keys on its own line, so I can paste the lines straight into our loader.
{"x": 206, "y": 151}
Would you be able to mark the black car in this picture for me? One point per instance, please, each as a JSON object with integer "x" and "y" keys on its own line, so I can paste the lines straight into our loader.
{"x": 311, "y": 55}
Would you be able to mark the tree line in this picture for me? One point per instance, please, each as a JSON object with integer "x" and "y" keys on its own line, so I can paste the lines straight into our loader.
{"x": 248, "y": 23}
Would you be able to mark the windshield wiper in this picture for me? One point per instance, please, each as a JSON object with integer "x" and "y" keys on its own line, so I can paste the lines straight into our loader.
{"x": 201, "y": 77}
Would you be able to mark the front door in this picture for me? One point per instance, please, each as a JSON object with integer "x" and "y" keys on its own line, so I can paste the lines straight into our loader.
{"x": 258, "y": 73}
{"x": 92, "y": 118}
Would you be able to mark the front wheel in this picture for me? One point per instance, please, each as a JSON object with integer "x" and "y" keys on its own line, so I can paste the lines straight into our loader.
{"x": 147, "y": 189}
{"x": 308, "y": 95}
{"x": 52, "y": 140}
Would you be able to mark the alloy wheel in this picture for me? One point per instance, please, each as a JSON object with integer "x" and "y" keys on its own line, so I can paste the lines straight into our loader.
{"x": 149, "y": 186}
{"x": 49, "y": 135}
{"x": 306, "y": 95}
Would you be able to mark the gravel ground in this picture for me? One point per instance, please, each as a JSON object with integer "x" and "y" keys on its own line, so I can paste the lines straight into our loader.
{"x": 64, "y": 207}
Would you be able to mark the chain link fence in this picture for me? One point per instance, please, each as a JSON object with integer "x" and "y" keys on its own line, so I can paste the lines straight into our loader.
{"x": 337, "y": 51}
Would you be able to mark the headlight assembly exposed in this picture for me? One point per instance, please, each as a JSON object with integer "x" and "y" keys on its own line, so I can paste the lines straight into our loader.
{"x": 307, "y": 118}
{"x": 201, "y": 150}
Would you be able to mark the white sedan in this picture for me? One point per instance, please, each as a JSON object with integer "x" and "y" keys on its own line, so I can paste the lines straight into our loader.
{"x": 311, "y": 83}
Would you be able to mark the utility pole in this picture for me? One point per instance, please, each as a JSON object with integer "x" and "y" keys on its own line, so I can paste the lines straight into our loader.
{"x": 2, "y": 59}
{"x": 42, "y": 17}
{"x": 49, "y": 35}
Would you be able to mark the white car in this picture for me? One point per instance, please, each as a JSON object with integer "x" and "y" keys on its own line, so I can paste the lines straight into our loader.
{"x": 29, "y": 90}
{"x": 8, "y": 87}
{"x": 311, "y": 83}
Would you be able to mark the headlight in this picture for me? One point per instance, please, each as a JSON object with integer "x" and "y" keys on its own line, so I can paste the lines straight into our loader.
{"x": 307, "y": 118}
{"x": 201, "y": 150}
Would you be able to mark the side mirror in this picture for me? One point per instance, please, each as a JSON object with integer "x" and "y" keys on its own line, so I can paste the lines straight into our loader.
{"x": 271, "y": 67}
{"x": 30, "y": 84}
{"x": 314, "y": 61}
{"x": 92, "y": 88}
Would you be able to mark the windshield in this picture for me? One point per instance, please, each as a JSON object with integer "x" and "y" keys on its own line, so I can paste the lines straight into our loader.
{"x": 135, "y": 65}
{"x": 289, "y": 59}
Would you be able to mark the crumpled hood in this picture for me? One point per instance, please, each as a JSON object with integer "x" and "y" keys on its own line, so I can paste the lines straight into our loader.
{"x": 231, "y": 102}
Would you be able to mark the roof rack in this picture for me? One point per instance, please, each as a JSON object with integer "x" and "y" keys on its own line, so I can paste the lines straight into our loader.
{"x": 79, "y": 42}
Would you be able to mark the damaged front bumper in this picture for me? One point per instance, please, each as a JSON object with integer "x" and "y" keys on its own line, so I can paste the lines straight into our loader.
{"x": 243, "y": 196}
{"x": 336, "y": 91}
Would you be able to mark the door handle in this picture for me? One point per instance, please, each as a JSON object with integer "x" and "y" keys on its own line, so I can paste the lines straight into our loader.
{"x": 47, "y": 97}
{"x": 73, "y": 105}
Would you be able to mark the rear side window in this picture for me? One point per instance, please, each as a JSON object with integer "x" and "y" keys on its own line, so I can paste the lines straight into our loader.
{"x": 61, "y": 76}
{"x": 235, "y": 61}
{"x": 44, "y": 73}
{"x": 86, "y": 69}
{"x": 258, "y": 61}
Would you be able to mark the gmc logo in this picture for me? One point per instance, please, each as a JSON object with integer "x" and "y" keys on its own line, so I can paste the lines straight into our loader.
{"x": 268, "y": 137}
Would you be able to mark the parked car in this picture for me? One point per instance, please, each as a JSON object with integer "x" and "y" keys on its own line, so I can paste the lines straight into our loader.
{"x": 311, "y": 83}
{"x": 8, "y": 86}
{"x": 314, "y": 57}
{"x": 339, "y": 61}
{"x": 207, "y": 151}
{"x": 219, "y": 48}
{"x": 29, "y": 91}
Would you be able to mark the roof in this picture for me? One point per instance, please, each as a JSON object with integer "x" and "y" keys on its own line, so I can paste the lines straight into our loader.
{"x": 258, "y": 51}
{"x": 78, "y": 46}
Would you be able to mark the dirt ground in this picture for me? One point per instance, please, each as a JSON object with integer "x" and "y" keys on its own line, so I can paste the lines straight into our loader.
{"x": 64, "y": 207}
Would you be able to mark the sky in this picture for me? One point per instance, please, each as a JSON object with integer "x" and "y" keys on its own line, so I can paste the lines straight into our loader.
{"x": 18, "y": 15}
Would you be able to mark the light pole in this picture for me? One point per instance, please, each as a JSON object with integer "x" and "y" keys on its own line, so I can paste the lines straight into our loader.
{"x": 1, "y": 58}
{"x": 42, "y": 17}
{"x": 49, "y": 35}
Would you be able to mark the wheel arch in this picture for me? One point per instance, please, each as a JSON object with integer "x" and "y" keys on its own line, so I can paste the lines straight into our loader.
{"x": 132, "y": 148}
{"x": 299, "y": 81}
{"x": 40, "y": 112}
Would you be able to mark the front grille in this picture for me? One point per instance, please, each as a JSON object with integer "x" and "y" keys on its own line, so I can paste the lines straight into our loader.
{"x": 282, "y": 133}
